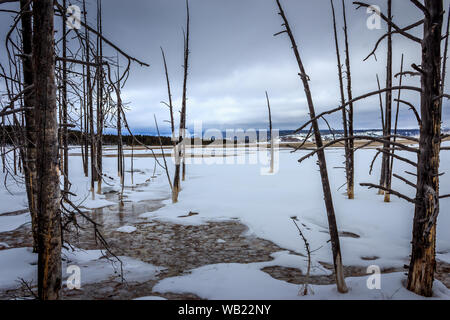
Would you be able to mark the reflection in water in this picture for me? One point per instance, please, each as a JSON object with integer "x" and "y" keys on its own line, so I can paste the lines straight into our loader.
{"x": 115, "y": 216}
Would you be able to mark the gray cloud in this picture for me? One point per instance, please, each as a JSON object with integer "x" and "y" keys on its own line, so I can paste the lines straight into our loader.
{"x": 235, "y": 58}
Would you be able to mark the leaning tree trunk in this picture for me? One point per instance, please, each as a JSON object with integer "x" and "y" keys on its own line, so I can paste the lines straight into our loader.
{"x": 29, "y": 160}
{"x": 423, "y": 263}
{"x": 49, "y": 220}
{"x": 337, "y": 258}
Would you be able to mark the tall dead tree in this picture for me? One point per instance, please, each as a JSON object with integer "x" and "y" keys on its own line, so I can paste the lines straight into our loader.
{"x": 30, "y": 155}
{"x": 64, "y": 117}
{"x": 385, "y": 165}
{"x": 184, "y": 98}
{"x": 90, "y": 103}
{"x": 272, "y": 150}
{"x": 351, "y": 144}
{"x": 337, "y": 258}
{"x": 100, "y": 85}
{"x": 182, "y": 134}
{"x": 348, "y": 169}
{"x": 48, "y": 193}
{"x": 423, "y": 261}
{"x": 120, "y": 157}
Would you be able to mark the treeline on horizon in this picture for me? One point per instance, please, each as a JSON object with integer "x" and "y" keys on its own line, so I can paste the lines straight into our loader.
{"x": 8, "y": 135}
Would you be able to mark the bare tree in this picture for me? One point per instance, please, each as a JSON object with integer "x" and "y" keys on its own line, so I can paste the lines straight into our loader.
{"x": 385, "y": 174}
{"x": 179, "y": 154}
{"x": 271, "y": 135}
{"x": 48, "y": 208}
{"x": 351, "y": 147}
{"x": 423, "y": 260}
{"x": 348, "y": 163}
{"x": 100, "y": 87}
{"x": 30, "y": 129}
{"x": 337, "y": 258}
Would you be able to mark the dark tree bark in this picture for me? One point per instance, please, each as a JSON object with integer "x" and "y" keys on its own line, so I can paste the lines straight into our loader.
{"x": 64, "y": 129}
{"x": 100, "y": 84}
{"x": 120, "y": 158}
{"x": 49, "y": 220}
{"x": 30, "y": 129}
{"x": 423, "y": 263}
{"x": 337, "y": 259}
{"x": 385, "y": 168}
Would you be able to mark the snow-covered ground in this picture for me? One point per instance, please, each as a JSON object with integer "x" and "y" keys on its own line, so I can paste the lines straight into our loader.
{"x": 222, "y": 188}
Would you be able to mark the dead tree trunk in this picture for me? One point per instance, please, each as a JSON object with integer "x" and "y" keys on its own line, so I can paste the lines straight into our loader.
{"x": 271, "y": 135}
{"x": 344, "y": 111}
{"x": 100, "y": 84}
{"x": 385, "y": 176}
{"x": 49, "y": 221}
{"x": 423, "y": 263}
{"x": 119, "y": 127}
{"x": 90, "y": 107}
{"x": 182, "y": 134}
{"x": 337, "y": 259}
{"x": 64, "y": 128}
{"x": 186, "y": 68}
{"x": 444, "y": 59}
{"x": 351, "y": 143}
{"x": 85, "y": 133}
{"x": 30, "y": 129}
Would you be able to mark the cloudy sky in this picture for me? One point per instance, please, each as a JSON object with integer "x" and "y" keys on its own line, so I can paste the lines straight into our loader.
{"x": 235, "y": 58}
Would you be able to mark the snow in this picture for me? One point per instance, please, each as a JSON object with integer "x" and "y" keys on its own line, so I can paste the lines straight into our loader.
{"x": 13, "y": 197}
{"x": 20, "y": 263}
{"x": 16, "y": 264}
{"x": 11, "y": 223}
{"x": 266, "y": 204}
{"x": 218, "y": 191}
{"x": 246, "y": 282}
{"x": 127, "y": 229}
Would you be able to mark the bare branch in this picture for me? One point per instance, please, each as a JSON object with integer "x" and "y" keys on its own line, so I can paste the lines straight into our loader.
{"x": 389, "y": 22}
{"x": 395, "y": 193}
